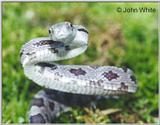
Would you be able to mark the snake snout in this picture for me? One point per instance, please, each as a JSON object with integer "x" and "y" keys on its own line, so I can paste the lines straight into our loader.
{"x": 62, "y": 32}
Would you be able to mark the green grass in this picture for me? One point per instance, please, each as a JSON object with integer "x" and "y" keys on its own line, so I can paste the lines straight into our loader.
{"x": 114, "y": 39}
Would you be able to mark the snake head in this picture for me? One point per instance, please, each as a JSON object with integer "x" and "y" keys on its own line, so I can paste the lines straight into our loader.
{"x": 64, "y": 31}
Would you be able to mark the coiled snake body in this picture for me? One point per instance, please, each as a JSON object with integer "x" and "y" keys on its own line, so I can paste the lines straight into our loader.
{"x": 66, "y": 41}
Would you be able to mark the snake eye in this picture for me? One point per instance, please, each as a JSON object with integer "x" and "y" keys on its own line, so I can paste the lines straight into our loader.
{"x": 71, "y": 25}
{"x": 49, "y": 31}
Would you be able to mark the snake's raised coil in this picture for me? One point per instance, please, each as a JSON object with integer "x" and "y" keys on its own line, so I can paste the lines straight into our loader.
{"x": 66, "y": 41}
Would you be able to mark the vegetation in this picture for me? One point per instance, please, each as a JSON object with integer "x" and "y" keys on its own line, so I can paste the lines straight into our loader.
{"x": 114, "y": 39}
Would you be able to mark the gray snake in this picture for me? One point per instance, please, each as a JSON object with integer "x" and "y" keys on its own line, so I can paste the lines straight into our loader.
{"x": 67, "y": 41}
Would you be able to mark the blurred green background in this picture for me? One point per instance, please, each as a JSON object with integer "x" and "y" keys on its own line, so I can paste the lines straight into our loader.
{"x": 114, "y": 39}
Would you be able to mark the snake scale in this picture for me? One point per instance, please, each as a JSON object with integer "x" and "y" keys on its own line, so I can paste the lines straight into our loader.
{"x": 68, "y": 84}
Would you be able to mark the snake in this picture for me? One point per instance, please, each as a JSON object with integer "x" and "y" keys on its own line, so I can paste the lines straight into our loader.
{"x": 67, "y": 84}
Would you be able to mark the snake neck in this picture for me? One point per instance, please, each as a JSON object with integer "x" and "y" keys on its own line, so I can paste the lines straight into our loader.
{"x": 46, "y": 50}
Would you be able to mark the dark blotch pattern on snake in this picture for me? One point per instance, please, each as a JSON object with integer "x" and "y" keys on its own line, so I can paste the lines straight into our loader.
{"x": 68, "y": 85}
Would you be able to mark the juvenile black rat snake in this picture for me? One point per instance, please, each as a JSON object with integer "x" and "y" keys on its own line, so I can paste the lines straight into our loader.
{"x": 66, "y": 41}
